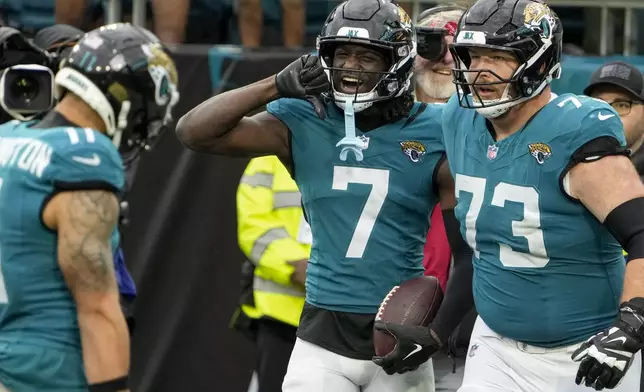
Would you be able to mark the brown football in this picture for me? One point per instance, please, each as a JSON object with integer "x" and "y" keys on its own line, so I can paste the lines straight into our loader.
{"x": 414, "y": 302}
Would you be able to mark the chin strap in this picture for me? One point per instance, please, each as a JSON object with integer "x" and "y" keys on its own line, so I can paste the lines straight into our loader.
{"x": 350, "y": 142}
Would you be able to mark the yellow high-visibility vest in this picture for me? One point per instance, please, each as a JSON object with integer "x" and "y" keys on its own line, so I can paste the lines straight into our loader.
{"x": 272, "y": 232}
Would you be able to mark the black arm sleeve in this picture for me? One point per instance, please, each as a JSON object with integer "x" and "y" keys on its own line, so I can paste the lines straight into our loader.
{"x": 594, "y": 150}
{"x": 458, "y": 300}
{"x": 626, "y": 224}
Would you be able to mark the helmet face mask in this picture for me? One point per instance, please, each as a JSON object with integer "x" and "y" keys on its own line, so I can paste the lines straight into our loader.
{"x": 492, "y": 86}
{"x": 381, "y": 27}
{"x": 533, "y": 38}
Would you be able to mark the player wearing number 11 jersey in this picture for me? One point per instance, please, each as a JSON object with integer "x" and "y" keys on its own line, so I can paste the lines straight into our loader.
{"x": 545, "y": 197}
{"x": 369, "y": 173}
{"x": 61, "y": 324}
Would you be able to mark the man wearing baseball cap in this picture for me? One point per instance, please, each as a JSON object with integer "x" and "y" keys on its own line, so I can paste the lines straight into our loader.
{"x": 621, "y": 85}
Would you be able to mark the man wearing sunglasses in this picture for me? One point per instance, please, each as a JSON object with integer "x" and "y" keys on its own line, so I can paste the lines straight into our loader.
{"x": 433, "y": 64}
{"x": 622, "y": 86}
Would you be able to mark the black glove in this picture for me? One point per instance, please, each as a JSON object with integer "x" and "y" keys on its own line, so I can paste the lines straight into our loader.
{"x": 606, "y": 357}
{"x": 414, "y": 346}
{"x": 305, "y": 79}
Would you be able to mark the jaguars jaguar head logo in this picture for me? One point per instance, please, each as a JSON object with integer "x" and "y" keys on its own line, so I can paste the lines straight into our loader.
{"x": 413, "y": 149}
{"x": 540, "y": 16}
{"x": 405, "y": 20}
{"x": 540, "y": 152}
{"x": 164, "y": 74}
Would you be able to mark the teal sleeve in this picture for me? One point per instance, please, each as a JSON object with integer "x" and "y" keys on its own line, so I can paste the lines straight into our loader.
{"x": 85, "y": 159}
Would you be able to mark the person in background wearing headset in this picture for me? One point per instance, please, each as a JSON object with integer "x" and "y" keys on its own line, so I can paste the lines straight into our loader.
{"x": 433, "y": 84}
{"x": 276, "y": 239}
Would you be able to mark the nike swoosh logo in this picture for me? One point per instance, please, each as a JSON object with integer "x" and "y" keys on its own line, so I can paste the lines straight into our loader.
{"x": 603, "y": 117}
{"x": 414, "y": 351}
{"x": 620, "y": 339}
{"x": 95, "y": 160}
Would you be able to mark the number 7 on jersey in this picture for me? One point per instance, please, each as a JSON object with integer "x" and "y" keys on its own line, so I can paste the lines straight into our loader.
{"x": 379, "y": 181}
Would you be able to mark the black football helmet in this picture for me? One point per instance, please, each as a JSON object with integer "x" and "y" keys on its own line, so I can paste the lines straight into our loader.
{"x": 125, "y": 74}
{"x": 529, "y": 30}
{"x": 379, "y": 24}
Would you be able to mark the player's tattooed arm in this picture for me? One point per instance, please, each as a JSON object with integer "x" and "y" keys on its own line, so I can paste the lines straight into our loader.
{"x": 85, "y": 224}
{"x": 84, "y": 221}
{"x": 221, "y": 124}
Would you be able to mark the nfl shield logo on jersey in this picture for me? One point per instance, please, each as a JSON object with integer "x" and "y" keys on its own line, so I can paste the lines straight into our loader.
{"x": 492, "y": 151}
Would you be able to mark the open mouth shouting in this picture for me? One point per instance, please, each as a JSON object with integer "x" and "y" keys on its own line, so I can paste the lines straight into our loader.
{"x": 352, "y": 83}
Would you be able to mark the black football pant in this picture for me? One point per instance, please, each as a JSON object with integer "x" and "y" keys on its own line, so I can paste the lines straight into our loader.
{"x": 275, "y": 341}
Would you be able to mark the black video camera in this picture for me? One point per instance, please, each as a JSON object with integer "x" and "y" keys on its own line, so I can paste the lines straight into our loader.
{"x": 26, "y": 78}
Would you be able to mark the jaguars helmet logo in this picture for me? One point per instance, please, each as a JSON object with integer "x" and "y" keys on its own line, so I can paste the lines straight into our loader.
{"x": 405, "y": 20}
{"x": 163, "y": 73}
{"x": 540, "y": 152}
{"x": 413, "y": 149}
{"x": 539, "y": 15}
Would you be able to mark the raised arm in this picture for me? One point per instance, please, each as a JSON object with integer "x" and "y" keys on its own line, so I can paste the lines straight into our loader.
{"x": 221, "y": 125}
{"x": 84, "y": 221}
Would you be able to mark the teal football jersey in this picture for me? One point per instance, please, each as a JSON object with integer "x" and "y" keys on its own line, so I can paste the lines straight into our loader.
{"x": 546, "y": 271}
{"x": 368, "y": 218}
{"x": 39, "y": 335}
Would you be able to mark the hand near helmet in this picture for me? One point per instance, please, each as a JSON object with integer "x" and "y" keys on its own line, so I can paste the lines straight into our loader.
{"x": 305, "y": 79}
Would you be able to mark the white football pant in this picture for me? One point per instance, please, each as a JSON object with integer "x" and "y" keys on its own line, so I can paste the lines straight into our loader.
{"x": 495, "y": 363}
{"x": 315, "y": 369}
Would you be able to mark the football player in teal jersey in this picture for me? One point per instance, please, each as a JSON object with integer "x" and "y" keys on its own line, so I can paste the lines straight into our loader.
{"x": 369, "y": 171}
{"x": 61, "y": 325}
{"x": 546, "y": 195}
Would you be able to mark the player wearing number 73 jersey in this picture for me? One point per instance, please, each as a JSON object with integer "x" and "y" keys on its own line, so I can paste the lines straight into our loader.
{"x": 545, "y": 192}
{"x": 369, "y": 174}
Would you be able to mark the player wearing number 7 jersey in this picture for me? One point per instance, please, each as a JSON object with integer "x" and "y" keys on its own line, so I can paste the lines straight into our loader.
{"x": 61, "y": 324}
{"x": 545, "y": 197}
{"x": 369, "y": 175}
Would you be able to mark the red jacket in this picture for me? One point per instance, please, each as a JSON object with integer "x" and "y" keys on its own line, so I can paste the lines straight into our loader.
{"x": 437, "y": 253}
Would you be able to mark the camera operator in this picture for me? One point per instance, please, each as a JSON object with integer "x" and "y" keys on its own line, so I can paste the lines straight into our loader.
{"x": 26, "y": 80}
{"x": 28, "y": 94}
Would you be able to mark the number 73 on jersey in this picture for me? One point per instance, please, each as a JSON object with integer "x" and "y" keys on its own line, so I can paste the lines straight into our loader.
{"x": 529, "y": 227}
